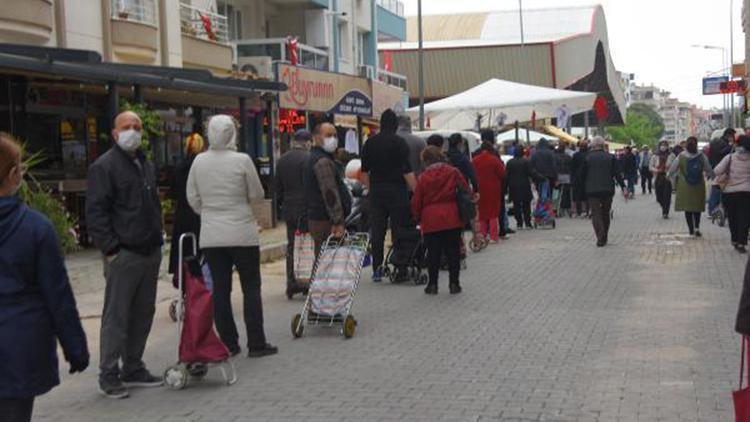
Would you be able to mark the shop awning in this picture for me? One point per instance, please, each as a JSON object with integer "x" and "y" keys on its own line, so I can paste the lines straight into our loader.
{"x": 87, "y": 66}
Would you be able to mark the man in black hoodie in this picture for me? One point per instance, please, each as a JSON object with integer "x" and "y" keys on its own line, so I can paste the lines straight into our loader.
{"x": 388, "y": 175}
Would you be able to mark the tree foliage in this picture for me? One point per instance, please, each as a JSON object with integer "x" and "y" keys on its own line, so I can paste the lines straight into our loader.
{"x": 644, "y": 126}
{"x": 151, "y": 122}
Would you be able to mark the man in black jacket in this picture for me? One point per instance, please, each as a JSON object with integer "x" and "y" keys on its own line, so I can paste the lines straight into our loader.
{"x": 579, "y": 187}
{"x": 290, "y": 191}
{"x": 387, "y": 172}
{"x": 123, "y": 216}
{"x": 545, "y": 164}
{"x": 600, "y": 171}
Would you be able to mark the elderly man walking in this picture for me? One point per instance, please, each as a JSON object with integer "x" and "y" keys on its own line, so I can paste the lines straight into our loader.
{"x": 600, "y": 171}
{"x": 123, "y": 216}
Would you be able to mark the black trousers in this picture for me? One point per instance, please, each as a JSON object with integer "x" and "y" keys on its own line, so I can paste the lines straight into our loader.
{"x": 292, "y": 224}
{"x": 646, "y": 178}
{"x": 247, "y": 261}
{"x": 693, "y": 221}
{"x": 601, "y": 206}
{"x": 386, "y": 205}
{"x": 445, "y": 242}
{"x": 522, "y": 212}
{"x": 663, "y": 193}
{"x": 16, "y": 410}
{"x": 737, "y": 206}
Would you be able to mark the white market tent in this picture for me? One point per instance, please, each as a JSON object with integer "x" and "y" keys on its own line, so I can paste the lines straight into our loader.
{"x": 495, "y": 98}
{"x": 533, "y": 136}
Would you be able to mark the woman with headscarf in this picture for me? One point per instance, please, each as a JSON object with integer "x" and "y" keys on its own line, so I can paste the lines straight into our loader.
{"x": 490, "y": 172}
{"x": 660, "y": 163}
{"x": 221, "y": 186}
{"x": 520, "y": 174}
{"x": 458, "y": 157}
{"x": 691, "y": 166}
{"x": 734, "y": 171}
{"x": 185, "y": 219}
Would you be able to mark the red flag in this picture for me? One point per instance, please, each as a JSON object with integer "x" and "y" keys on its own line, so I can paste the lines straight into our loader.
{"x": 292, "y": 49}
{"x": 207, "y": 26}
{"x": 601, "y": 108}
{"x": 388, "y": 60}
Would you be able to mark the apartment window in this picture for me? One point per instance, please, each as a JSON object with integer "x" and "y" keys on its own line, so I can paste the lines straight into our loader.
{"x": 135, "y": 10}
{"x": 234, "y": 19}
{"x": 361, "y": 48}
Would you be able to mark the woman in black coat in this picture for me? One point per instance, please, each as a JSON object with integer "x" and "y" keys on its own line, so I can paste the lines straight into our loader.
{"x": 185, "y": 219}
{"x": 37, "y": 306}
{"x": 519, "y": 175}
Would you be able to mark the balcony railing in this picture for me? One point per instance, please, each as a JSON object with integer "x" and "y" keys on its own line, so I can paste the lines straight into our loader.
{"x": 143, "y": 11}
{"x": 394, "y": 6}
{"x": 276, "y": 48}
{"x": 203, "y": 24}
{"x": 392, "y": 79}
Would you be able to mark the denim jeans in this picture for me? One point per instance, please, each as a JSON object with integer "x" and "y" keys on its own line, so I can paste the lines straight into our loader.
{"x": 714, "y": 199}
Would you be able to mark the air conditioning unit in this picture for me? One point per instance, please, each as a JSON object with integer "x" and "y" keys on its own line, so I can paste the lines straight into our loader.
{"x": 367, "y": 71}
{"x": 258, "y": 65}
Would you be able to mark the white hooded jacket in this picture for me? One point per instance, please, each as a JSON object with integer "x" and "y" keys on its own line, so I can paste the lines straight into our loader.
{"x": 220, "y": 188}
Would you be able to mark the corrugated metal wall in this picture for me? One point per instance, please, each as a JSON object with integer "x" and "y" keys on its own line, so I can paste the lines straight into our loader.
{"x": 452, "y": 70}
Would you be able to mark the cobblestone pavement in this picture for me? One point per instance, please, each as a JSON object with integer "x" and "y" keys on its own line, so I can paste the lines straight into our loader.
{"x": 549, "y": 328}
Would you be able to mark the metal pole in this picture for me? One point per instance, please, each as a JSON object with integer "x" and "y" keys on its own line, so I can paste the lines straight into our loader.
{"x": 520, "y": 14}
{"x": 421, "y": 66}
{"x": 731, "y": 55}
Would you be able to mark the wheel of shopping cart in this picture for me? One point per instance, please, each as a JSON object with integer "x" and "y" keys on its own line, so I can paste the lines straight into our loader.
{"x": 476, "y": 245}
{"x": 350, "y": 324}
{"x": 297, "y": 327}
{"x": 176, "y": 377}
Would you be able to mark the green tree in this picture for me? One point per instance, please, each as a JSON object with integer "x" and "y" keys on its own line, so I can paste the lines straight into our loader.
{"x": 643, "y": 127}
{"x": 151, "y": 122}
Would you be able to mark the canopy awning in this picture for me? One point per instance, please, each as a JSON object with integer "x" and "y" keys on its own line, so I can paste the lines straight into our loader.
{"x": 497, "y": 101}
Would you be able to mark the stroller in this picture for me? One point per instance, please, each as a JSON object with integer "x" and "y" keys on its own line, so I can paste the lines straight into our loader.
{"x": 544, "y": 212}
{"x": 334, "y": 283}
{"x": 405, "y": 260}
{"x": 199, "y": 346}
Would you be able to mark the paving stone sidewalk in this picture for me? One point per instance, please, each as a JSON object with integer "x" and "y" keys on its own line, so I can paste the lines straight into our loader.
{"x": 549, "y": 328}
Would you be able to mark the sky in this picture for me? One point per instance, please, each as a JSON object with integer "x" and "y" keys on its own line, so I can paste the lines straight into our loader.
{"x": 651, "y": 38}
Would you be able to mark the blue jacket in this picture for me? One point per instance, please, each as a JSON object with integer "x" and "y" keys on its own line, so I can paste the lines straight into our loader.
{"x": 37, "y": 306}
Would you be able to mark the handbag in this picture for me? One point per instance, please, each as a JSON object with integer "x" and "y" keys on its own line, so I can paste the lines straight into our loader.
{"x": 723, "y": 180}
{"x": 467, "y": 209}
{"x": 304, "y": 257}
{"x": 741, "y": 397}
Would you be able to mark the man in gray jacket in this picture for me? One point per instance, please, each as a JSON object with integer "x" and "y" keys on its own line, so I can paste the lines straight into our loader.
{"x": 290, "y": 191}
{"x": 123, "y": 216}
{"x": 415, "y": 143}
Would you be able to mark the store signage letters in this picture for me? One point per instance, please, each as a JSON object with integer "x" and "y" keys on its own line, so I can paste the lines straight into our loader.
{"x": 314, "y": 90}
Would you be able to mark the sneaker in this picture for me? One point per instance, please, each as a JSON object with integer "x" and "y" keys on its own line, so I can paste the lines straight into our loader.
{"x": 111, "y": 387}
{"x": 740, "y": 248}
{"x": 267, "y": 350}
{"x": 510, "y": 231}
{"x": 431, "y": 289}
{"x": 454, "y": 288}
{"x": 698, "y": 233}
{"x": 377, "y": 276}
{"x": 141, "y": 378}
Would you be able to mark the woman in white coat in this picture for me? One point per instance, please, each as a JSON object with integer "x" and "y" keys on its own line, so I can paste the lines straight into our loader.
{"x": 221, "y": 186}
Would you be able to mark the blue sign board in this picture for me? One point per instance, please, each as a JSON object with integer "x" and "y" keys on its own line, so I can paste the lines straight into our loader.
{"x": 712, "y": 86}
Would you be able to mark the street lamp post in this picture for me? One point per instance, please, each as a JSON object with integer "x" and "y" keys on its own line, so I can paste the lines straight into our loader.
{"x": 421, "y": 65}
{"x": 725, "y": 70}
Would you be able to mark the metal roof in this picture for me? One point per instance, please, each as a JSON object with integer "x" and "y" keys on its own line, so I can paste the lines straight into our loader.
{"x": 87, "y": 66}
{"x": 499, "y": 27}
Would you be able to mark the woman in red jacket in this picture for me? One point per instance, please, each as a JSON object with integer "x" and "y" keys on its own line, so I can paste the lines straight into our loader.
{"x": 490, "y": 172}
{"x": 435, "y": 208}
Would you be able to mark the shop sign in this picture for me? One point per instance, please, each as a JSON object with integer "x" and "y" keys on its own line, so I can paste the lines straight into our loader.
{"x": 327, "y": 92}
{"x": 732, "y": 87}
{"x": 712, "y": 86}
{"x": 386, "y": 96}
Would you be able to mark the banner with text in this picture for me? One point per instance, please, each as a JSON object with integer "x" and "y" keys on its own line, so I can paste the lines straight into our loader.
{"x": 327, "y": 92}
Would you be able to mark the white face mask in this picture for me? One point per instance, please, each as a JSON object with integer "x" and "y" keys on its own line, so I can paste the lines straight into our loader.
{"x": 129, "y": 140}
{"x": 662, "y": 148}
{"x": 330, "y": 144}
